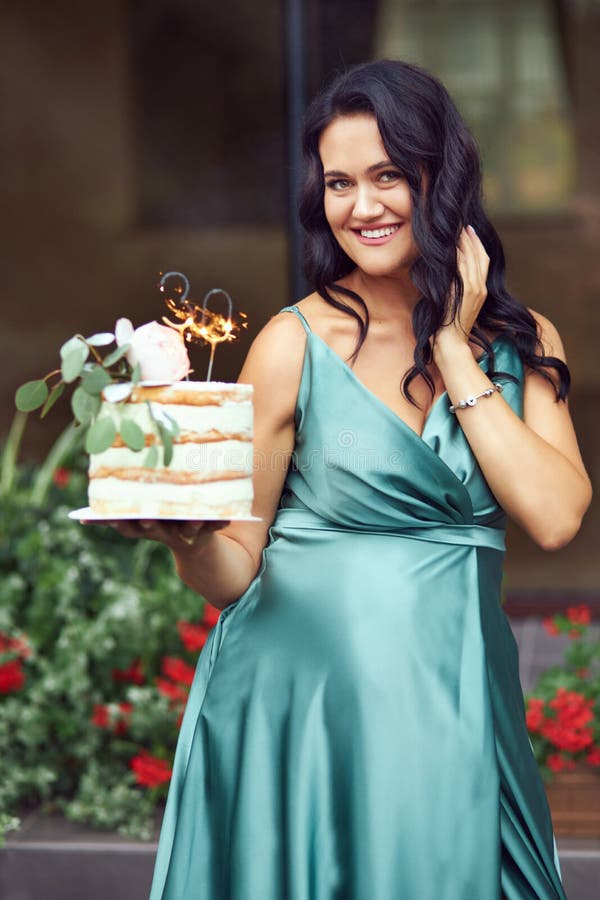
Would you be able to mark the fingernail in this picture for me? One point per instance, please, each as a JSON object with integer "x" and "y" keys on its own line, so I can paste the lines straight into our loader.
{"x": 472, "y": 229}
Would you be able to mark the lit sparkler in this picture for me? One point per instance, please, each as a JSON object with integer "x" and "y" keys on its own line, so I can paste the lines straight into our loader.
{"x": 198, "y": 322}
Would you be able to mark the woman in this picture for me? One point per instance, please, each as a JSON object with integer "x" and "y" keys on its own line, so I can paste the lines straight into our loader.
{"x": 356, "y": 727}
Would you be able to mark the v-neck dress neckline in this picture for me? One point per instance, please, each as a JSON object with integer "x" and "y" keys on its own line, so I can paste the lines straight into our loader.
{"x": 373, "y": 397}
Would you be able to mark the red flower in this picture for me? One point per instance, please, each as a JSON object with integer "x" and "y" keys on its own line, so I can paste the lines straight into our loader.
{"x": 579, "y": 615}
{"x": 593, "y": 756}
{"x": 556, "y": 762}
{"x": 174, "y": 692}
{"x": 574, "y": 633}
{"x": 177, "y": 670}
{"x": 570, "y": 730}
{"x": 583, "y": 673}
{"x": 210, "y": 615}
{"x": 18, "y": 645}
{"x": 61, "y": 477}
{"x": 193, "y": 636}
{"x": 134, "y": 674}
{"x": 535, "y": 714}
{"x": 150, "y": 771}
{"x": 101, "y": 716}
{"x": 12, "y": 677}
{"x": 121, "y": 724}
{"x": 551, "y": 627}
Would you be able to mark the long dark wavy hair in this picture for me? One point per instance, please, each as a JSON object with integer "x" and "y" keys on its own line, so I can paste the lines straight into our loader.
{"x": 427, "y": 140}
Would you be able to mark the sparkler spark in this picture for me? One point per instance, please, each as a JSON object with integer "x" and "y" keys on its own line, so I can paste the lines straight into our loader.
{"x": 198, "y": 323}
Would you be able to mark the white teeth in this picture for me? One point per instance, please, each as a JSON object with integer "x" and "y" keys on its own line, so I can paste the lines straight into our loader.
{"x": 378, "y": 232}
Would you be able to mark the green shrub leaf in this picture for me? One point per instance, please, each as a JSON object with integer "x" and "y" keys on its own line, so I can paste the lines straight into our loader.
{"x": 85, "y": 407}
{"x": 100, "y": 436}
{"x": 132, "y": 434}
{"x": 56, "y": 392}
{"x": 31, "y": 395}
{"x": 94, "y": 381}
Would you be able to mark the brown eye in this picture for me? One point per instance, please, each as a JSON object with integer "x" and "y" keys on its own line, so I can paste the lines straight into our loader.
{"x": 390, "y": 176}
{"x": 338, "y": 184}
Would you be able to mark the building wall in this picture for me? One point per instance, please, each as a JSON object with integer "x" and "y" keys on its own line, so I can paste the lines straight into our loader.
{"x": 75, "y": 256}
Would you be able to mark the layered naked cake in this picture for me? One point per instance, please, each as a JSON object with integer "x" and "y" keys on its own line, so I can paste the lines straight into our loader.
{"x": 210, "y": 474}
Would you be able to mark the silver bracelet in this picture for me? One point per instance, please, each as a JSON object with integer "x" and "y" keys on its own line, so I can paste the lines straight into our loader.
{"x": 471, "y": 401}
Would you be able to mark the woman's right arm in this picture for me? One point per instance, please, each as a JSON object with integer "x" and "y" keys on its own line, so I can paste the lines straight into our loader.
{"x": 220, "y": 564}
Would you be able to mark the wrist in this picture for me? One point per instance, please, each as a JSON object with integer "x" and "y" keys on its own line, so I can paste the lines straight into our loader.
{"x": 450, "y": 349}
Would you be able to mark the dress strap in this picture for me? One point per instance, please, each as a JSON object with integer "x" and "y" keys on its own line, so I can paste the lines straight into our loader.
{"x": 299, "y": 315}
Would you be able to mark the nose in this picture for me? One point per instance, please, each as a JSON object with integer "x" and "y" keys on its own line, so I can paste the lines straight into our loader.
{"x": 367, "y": 204}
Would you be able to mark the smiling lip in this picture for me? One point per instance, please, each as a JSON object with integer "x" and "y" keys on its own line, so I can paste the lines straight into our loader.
{"x": 376, "y": 235}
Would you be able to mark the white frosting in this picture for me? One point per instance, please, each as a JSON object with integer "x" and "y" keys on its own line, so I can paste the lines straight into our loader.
{"x": 228, "y": 418}
{"x": 212, "y": 457}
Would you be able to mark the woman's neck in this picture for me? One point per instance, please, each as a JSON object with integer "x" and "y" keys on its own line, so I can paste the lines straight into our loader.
{"x": 387, "y": 298}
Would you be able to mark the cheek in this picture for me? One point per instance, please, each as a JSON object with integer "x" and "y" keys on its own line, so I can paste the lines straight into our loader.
{"x": 403, "y": 201}
{"x": 331, "y": 211}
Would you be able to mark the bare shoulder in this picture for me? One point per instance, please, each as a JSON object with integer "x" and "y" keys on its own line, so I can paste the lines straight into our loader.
{"x": 548, "y": 335}
{"x": 274, "y": 365}
{"x": 334, "y": 326}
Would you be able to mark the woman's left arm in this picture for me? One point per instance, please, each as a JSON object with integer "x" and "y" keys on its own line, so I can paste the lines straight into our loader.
{"x": 533, "y": 466}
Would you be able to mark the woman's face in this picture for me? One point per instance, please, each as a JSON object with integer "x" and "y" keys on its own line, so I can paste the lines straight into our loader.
{"x": 367, "y": 200}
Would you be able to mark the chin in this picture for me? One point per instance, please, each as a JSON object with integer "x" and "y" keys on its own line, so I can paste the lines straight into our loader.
{"x": 383, "y": 270}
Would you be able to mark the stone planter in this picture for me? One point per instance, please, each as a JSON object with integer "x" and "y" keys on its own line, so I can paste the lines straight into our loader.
{"x": 574, "y": 799}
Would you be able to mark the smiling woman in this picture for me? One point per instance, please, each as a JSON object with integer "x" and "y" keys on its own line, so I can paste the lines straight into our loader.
{"x": 360, "y": 692}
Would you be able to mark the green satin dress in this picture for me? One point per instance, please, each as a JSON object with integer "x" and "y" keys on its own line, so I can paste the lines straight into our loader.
{"x": 356, "y": 728}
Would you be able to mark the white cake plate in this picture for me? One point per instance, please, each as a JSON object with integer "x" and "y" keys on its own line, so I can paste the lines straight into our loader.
{"x": 86, "y": 513}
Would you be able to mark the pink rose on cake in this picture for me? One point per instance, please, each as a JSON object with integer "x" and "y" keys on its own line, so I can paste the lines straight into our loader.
{"x": 159, "y": 351}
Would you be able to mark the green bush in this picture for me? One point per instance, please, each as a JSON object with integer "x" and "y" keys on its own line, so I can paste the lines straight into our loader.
{"x": 98, "y": 638}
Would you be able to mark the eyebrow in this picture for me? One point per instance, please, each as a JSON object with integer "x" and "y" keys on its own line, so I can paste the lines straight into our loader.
{"x": 386, "y": 163}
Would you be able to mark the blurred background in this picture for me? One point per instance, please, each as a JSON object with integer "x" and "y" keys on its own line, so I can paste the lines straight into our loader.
{"x": 150, "y": 135}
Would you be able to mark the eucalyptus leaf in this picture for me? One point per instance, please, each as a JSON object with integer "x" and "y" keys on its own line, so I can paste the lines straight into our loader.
{"x": 116, "y": 355}
{"x": 56, "y": 392}
{"x": 102, "y": 339}
{"x": 94, "y": 381}
{"x": 72, "y": 344}
{"x": 167, "y": 442}
{"x": 100, "y": 436}
{"x": 114, "y": 393}
{"x": 173, "y": 425}
{"x": 132, "y": 434}
{"x": 165, "y": 420}
{"x": 31, "y": 395}
{"x": 85, "y": 406}
{"x": 151, "y": 460}
{"x": 136, "y": 373}
{"x": 73, "y": 359}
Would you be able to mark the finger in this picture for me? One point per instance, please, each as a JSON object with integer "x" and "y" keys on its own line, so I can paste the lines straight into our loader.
{"x": 477, "y": 262}
{"x": 188, "y": 532}
{"x": 480, "y": 251}
{"x": 218, "y": 524}
{"x": 127, "y": 528}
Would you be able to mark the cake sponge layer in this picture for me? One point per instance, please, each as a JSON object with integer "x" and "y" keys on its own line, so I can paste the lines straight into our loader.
{"x": 114, "y": 496}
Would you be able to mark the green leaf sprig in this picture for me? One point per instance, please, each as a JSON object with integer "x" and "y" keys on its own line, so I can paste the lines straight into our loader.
{"x": 110, "y": 377}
